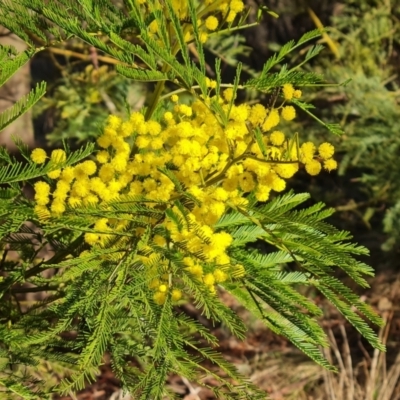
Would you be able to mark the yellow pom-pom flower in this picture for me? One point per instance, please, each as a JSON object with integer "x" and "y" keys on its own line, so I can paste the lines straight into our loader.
{"x": 288, "y": 91}
{"x": 54, "y": 174}
{"x": 326, "y": 150}
{"x": 91, "y": 238}
{"x": 277, "y": 138}
{"x": 163, "y": 288}
{"x": 102, "y": 156}
{"x": 41, "y": 188}
{"x": 159, "y": 298}
{"x": 271, "y": 121}
{"x": 330, "y": 164}
{"x": 288, "y": 113}
{"x": 236, "y": 5}
{"x": 228, "y": 94}
{"x": 297, "y": 94}
{"x": 209, "y": 279}
{"x": 176, "y": 294}
{"x": 38, "y": 156}
{"x": 89, "y": 167}
{"x": 211, "y": 23}
{"x": 313, "y": 167}
{"x": 58, "y": 156}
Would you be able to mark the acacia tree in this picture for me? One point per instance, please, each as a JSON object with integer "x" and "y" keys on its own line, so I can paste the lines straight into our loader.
{"x": 161, "y": 210}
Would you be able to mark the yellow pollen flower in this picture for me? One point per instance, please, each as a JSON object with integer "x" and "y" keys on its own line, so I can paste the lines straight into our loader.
{"x": 58, "y": 156}
{"x": 288, "y": 91}
{"x": 211, "y": 23}
{"x": 38, "y": 156}
{"x": 288, "y": 113}
{"x": 326, "y": 150}
{"x": 330, "y": 164}
{"x": 313, "y": 167}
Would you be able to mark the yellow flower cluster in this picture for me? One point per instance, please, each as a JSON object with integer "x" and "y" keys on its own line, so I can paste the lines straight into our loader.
{"x": 225, "y": 10}
{"x": 217, "y": 165}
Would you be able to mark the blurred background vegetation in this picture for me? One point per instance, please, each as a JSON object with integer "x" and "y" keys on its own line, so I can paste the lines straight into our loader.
{"x": 363, "y": 46}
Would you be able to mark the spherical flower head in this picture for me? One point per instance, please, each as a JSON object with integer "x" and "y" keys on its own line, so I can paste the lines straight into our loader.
{"x": 91, "y": 238}
{"x": 236, "y": 5}
{"x": 42, "y": 200}
{"x": 159, "y": 240}
{"x": 156, "y": 144}
{"x": 74, "y": 201}
{"x": 222, "y": 239}
{"x": 89, "y": 167}
{"x": 104, "y": 141}
{"x": 257, "y": 115}
{"x": 211, "y": 83}
{"x": 313, "y": 167}
{"x": 330, "y": 164}
{"x": 246, "y": 182}
{"x": 209, "y": 279}
{"x": 211, "y": 23}
{"x": 168, "y": 116}
{"x": 153, "y": 27}
{"x": 271, "y": 121}
{"x": 240, "y": 114}
{"x": 58, "y": 156}
{"x": 277, "y": 138}
{"x": 153, "y": 128}
{"x": 297, "y": 94}
{"x": 231, "y": 16}
{"x": 174, "y": 98}
{"x": 230, "y": 184}
{"x": 106, "y": 172}
{"x": 41, "y": 188}
{"x": 288, "y": 91}
{"x": 38, "y": 156}
{"x": 119, "y": 162}
{"x": 136, "y": 118}
{"x": 228, "y": 94}
{"x": 278, "y": 184}
{"x": 163, "y": 288}
{"x": 220, "y": 276}
{"x": 81, "y": 187}
{"x": 203, "y": 37}
{"x": 326, "y": 150}
{"x": 185, "y": 110}
{"x": 126, "y": 129}
{"x": 286, "y": 170}
{"x": 54, "y": 174}
{"x": 176, "y": 294}
{"x": 262, "y": 193}
{"x": 142, "y": 142}
{"x": 67, "y": 174}
{"x": 307, "y": 151}
{"x": 57, "y": 207}
{"x": 159, "y": 298}
{"x": 102, "y": 156}
{"x": 63, "y": 187}
{"x": 220, "y": 194}
{"x": 114, "y": 122}
{"x": 288, "y": 113}
{"x": 101, "y": 224}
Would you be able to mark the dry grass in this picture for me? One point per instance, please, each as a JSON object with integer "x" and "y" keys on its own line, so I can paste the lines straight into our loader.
{"x": 293, "y": 377}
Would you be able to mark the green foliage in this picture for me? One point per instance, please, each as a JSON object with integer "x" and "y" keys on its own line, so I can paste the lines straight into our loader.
{"x": 367, "y": 107}
{"x": 99, "y": 299}
{"x": 10, "y": 62}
